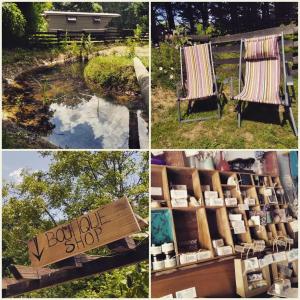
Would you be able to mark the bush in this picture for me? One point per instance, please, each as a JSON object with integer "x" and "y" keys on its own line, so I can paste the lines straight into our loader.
{"x": 111, "y": 73}
{"x": 13, "y": 23}
{"x": 165, "y": 65}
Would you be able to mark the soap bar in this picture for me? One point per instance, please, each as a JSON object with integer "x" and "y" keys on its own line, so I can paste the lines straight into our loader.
{"x": 214, "y": 202}
{"x": 210, "y": 194}
{"x": 156, "y": 191}
{"x": 203, "y": 255}
{"x": 235, "y": 217}
{"x": 224, "y": 250}
{"x": 179, "y": 203}
{"x": 178, "y": 194}
{"x": 185, "y": 258}
{"x": 218, "y": 243}
{"x": 231, "y": 201}
{"x": 249, "y": 201}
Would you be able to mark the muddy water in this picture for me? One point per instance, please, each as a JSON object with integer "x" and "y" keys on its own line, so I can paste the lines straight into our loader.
{"x": 81, "y": 118}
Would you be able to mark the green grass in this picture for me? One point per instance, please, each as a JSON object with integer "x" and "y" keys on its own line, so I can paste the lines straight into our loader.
{"x": 167, "y": 132}
{"x": 111, "y": 72}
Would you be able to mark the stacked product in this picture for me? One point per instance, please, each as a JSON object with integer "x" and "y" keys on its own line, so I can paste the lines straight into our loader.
{"x": 163, "y": 256}
{"x": 180, "y": 197}
{"x": 220, "y": 248}
{"x": 212, "y": 197}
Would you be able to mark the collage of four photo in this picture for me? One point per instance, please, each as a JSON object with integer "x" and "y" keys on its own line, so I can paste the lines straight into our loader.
{"x": 149, "y": 149}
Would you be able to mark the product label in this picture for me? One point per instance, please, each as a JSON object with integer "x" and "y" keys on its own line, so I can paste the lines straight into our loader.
{"x": 243, "y": 206}
{"x": 156, "y": 191}
{"x": 251, "y": 264}
{"x": 187, "y": 293}
{"x": 249, "y": 201}
{"x": 230, "y": 201}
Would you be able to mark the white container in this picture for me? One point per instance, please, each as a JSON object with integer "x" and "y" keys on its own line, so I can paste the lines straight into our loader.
{"x": 214, "y": 202}
{"x": 167, "y": 247}
{"x": 158, "y": 265}
{"x": 155, "y": 250}
{"x": 170, "y": 263}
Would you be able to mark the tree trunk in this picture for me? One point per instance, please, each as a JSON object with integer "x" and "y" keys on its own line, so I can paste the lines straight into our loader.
{"x": 170, "y": 15}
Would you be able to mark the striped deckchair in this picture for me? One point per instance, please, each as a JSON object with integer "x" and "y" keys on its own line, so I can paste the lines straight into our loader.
{"x": 262, "y": 75}
{"x": 200, "y": 80}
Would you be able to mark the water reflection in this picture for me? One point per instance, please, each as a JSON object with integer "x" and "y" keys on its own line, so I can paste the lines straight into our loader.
{"x": 92, "y": 124}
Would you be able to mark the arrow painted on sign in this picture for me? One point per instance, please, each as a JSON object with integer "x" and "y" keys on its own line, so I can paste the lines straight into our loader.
{"x": 39, "y": 254}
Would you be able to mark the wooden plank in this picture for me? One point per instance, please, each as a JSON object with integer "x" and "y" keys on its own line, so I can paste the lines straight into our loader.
{"x": 6, "y": 281}
{"x": 201, "y": 276}
{"x": 98, "y": 227}
{"x": 286, "y": 29}
{"x": 28, "y": 272}
{"x": 122, "y": 245}
{"x": 96, "y": 266}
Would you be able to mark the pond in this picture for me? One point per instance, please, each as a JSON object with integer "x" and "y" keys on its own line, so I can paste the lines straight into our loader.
{"x": 81, "y": 118}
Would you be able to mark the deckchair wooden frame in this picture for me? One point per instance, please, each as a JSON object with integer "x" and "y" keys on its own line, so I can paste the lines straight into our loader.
{"x": 181, "y": 89}
{"x": 286, "y": 98}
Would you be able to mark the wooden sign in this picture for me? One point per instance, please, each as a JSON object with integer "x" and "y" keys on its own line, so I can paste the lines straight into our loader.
{"x": 98, "y": 227}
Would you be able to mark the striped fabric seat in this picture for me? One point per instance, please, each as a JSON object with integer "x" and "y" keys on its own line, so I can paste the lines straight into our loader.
{"x": 262, "y": 78}
{"x": 199, "y": 72}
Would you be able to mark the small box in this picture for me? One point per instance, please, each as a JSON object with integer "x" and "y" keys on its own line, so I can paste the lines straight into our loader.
{"x": 249, "y": 201}
{"x": 218, "y": 243}
{"x": 224, "y": 250}
{"x": 235, "y": 217}
{"x": 179, "y": 203}
{"x": 178, "y": 194}
{"x": 210, "y": 195}
{"x": 243, "y": 206}
{"x": 239, "y": 230}
{"x": 231, "y": 201}
{"x": 281, "y": 287}
{"x": 239, "y": 223}
{"x": 214, "y": 202}
{"x": 156, "y": 191}
{"x": 190, "y": 257}
{"x": 203, "y": 255}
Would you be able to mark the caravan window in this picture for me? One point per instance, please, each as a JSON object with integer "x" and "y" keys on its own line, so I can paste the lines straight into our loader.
{"x": 96, "y": 20}
{"x": 71, "y": 19}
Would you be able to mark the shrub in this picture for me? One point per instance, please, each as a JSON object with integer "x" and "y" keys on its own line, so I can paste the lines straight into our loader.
{"x": 165, "y": 62}
{"x": 111, "y": 73}
{"x": 13, "y": 23}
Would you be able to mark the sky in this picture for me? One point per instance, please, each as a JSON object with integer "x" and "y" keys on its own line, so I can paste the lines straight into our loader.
{"x": 14, "y": 161}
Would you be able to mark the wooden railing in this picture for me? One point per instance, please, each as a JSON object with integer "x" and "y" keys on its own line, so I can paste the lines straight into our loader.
{"x": 231, "y": 44}
{"x": 43, "y": 39}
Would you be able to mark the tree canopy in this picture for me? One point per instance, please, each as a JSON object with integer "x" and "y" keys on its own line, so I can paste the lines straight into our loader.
{"x": 223, "y": 17}
{"x": 76, "y": 182}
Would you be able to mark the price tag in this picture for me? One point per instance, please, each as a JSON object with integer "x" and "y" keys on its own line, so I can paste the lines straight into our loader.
{"x": 279, "y": 256}
{"x": 292, "y": 255}
{"x": 243, "y": 206}
{"x": 239, "y": 230}
{"x": 251, "y": 264}
{"x": 187, "y": 293}
{"x": 266, "y": 260}
{"x": 294, "y": 225}
{"x": 156, "y": 191}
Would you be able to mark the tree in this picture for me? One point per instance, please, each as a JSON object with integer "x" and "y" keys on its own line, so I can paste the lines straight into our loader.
{"x": 76, "y": 182}
{"x": 78, "y": 6}
{"x": 13, "y": 24}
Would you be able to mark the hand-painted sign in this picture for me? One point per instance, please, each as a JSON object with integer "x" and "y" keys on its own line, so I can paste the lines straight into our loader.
{"x": 94, "y": 229}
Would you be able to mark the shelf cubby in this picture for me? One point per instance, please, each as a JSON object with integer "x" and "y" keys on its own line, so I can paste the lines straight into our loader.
{"x": 185, "y": 176}
{"x": 159, "y": 180}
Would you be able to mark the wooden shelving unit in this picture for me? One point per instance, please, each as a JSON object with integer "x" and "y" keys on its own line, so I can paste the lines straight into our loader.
{"x": 206, "y": 223}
